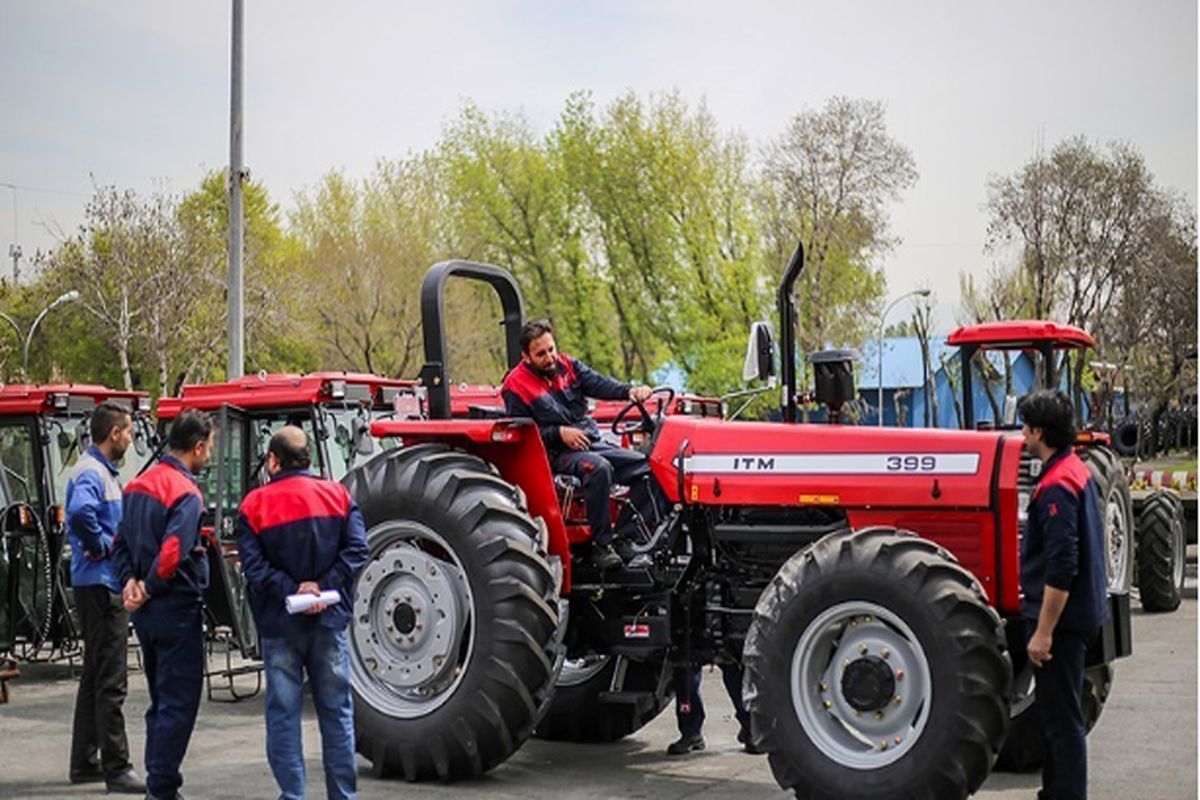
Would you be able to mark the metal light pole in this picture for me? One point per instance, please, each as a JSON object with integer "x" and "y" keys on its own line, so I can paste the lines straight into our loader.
{"x": 236, "y": 176}
{"x": 66, "y": 297}
{"x": 882, "y": 321}
{"x": 14, "y": 249}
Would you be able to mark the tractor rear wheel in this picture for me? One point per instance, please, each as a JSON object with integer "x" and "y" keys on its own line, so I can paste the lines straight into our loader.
{"x": 582, "y": 711}
{"x": 1161, "y": 551}
{"x": 1116, "y": 510}
{"x": 1024, "y": 750}
{"x": 876, "y": 668}
{"x": 453, "y": 640}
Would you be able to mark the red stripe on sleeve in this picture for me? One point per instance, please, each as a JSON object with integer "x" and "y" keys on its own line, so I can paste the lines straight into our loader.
{"x": 168, "y": 558}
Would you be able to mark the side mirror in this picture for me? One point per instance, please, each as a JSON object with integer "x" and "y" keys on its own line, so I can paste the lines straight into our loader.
{"x": 760, "y": 354}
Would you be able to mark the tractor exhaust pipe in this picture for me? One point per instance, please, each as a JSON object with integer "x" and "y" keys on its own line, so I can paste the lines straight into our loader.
{"x": 787, "y": 331}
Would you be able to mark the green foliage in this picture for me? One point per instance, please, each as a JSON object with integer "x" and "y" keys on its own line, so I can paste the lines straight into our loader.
{"x": 644, "y": 231}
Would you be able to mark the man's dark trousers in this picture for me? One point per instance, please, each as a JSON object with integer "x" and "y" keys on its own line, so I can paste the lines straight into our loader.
{"x": 172, "y": 638}
{"x": 598, "y": 469}
{"x": 689, "y": 708}
{"x": 99, "y": 720}
{"x": 1059, "y": 703}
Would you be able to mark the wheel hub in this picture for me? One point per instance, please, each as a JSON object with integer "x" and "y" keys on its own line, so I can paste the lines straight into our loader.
{"x": 409, "y": 617}
{"x": 861, "y": 685}
{"x": 868, "y": 684}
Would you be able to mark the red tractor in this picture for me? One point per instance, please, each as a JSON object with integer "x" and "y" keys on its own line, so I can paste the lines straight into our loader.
{"x": 335, "y": 409}
{"x": 1146, "y": 543}
{"x": 863, "y": 578}
{"x": 43, "y": 430}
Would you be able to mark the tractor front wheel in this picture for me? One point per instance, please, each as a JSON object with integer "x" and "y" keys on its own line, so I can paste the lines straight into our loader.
{"x": 876, "y": 668}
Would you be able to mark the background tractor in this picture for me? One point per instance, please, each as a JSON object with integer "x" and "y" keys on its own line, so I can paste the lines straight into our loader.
{"x": 863, "y": 578}
{"x": 43, "y": 430}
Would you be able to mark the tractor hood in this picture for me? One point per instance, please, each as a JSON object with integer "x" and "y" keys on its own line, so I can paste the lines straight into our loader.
{"x": 769, "y": 463}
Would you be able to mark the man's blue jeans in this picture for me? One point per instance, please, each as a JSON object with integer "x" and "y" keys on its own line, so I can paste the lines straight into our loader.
{"x": 322, "y": 654}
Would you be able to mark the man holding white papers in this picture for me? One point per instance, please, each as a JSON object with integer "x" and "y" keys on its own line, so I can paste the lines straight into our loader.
{"x": 301, "y": 534}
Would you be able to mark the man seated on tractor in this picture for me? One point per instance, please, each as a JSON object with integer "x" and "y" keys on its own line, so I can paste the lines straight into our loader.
{"x": 552, "y": 388}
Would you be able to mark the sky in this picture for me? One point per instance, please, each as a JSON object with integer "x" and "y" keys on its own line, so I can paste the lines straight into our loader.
{"x": 136, "y": 93}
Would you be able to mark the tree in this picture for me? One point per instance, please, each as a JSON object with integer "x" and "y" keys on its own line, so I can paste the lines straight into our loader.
{"x": 922, "y": 328}
{"x": 1083, "y": 221}
{"x": 828, "y": 180}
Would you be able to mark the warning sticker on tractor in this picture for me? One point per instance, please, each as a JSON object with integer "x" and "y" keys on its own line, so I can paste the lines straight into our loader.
{"x": 637, "y": 630}
{"x": 835, "y": 464}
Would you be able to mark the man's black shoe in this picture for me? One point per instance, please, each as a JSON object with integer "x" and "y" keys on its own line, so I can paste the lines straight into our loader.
{"x": 747, "y": 743}
{"x": 91, "y": 774}
{"x": 125, "y": 783}
{"x": 685, "y": 744}
{"x": 604, "y": 557}
{"x": 632, "y": 558}
{"x": 176, "y": 796}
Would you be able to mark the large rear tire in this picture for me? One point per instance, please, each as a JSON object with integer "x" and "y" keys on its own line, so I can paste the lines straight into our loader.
{"x": 453, "y": 640}
{"x": 842, "y": 659}
{"x": 580, "y": 711}
{"x": 1161, "y": 551}
{"x": 1024, "y": 750}
{"x": 1116, "y": 510}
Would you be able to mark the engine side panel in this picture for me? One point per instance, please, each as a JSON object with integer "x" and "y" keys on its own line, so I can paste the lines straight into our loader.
{"x": 765, "y": 464}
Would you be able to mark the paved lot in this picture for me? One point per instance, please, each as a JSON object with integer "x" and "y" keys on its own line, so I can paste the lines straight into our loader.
{"x": 1143, "y": 747}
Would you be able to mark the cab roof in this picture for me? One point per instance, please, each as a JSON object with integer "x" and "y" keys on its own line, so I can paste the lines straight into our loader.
{"x": 1022, "y": 335}
{"x": 24, "y": 398}
{"x": 284, "y": 390}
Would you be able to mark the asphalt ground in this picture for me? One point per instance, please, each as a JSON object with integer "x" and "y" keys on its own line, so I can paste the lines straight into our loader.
{"x": 1144, "y": 745}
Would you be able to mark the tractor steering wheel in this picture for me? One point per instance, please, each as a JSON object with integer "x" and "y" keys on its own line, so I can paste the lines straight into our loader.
{"x": 648, "y": 422}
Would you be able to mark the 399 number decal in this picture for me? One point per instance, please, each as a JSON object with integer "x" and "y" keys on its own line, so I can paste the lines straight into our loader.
{"x": 911, "y": 463}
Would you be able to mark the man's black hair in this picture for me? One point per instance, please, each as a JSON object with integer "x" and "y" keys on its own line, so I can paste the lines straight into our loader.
{"x": 106, "y": 416}
{"x": 534, "y": 329}
{"x": 290, "y": 456}
{"x": 189, "y": 429}
{"x": 1051, "y": 411}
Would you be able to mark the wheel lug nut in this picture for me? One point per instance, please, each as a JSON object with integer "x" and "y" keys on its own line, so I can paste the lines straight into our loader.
{"x": 899, "y": 674}
{"x": 886, "y": 654}
{"x": 896, "y": 700}
{"x": 878, "y": 715}
{"x": 853, "y": 622}
{"x": 883, "y": 744}
{"x": 897, "y": 740}
{"x": 862, "y": 650}
{"x": 845, "y": 663}
{"x": 824, "y": 686}
{"x": 828, "y": 705}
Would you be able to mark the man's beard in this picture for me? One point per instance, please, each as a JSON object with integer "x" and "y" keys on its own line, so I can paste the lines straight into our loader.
{"x": 550, "y": 372}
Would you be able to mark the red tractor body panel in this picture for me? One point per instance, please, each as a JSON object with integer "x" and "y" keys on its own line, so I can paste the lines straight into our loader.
{"x": 29, "y": 399}
{"x": 516, "y": 448}
{"x": 957, "y": 489}
{"x": 1021, "y": 335}
{"x": 283, "y": 390}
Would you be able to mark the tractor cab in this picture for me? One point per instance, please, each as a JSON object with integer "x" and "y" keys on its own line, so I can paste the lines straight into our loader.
{"x": 335, "y": 410}
{"x": 1043, "y": 341}
{"x": 43, "y": 431}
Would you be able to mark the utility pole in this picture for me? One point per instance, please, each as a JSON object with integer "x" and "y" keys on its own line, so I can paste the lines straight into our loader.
{"x": 237, "y": 175}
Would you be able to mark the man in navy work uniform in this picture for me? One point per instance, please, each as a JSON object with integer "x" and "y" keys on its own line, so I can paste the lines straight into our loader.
{"x": 1064, "y": 587}
{"x": 93, "y": 507}
{"x": 302, "y": 534}
{"x": 689, "y": 709}
{"x": 552, "y": 388}
{"x": 160, "y": 559}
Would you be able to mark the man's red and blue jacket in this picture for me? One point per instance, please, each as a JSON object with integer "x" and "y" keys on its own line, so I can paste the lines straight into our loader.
{"x": 300, "y": 528}
{"x": 159, "y": 538}
{"x": 553, "y": 403}
{"x": 1063, "y": 546}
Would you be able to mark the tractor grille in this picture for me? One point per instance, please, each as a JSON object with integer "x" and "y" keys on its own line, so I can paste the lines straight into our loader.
{"x": 1027, "y": 476}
